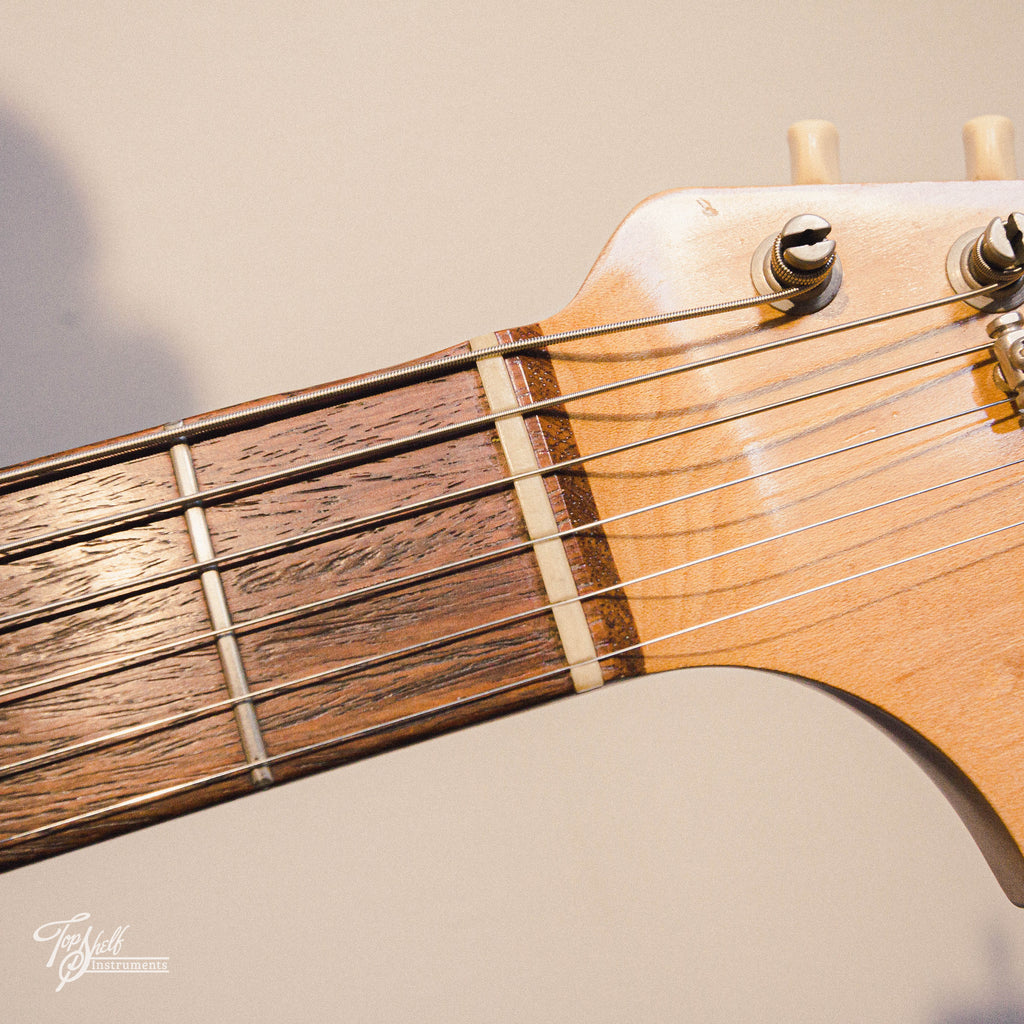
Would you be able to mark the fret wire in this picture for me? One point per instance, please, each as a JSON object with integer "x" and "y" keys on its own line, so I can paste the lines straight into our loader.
{"x": 175, "y": 789}
{"x": 211, "y": 585}
{"x": 450, "y": 431}
{"x": 370, "y": 661}
{"x": 424, "y": 369}
{"x": 25, "y": 690}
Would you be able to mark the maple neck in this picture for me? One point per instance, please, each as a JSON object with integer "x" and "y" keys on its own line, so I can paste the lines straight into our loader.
{"x": 211, "y": 615}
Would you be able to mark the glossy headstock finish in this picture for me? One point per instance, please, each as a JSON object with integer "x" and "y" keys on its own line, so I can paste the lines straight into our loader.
{"x": 929, "y": 648}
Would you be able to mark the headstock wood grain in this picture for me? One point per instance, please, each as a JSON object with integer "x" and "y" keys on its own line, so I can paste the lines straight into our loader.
{"x": 926, "y": 647}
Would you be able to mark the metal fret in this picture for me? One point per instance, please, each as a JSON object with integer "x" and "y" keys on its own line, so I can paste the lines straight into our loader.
{"x": 220, "y": 618}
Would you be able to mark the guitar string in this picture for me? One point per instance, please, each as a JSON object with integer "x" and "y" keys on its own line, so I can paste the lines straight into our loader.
{"x": 25, "y": 617}
{"x": 327, "y": 675}
{"x": 423, "y": 369}
{"x": 387, "y": 657}
{"x": 412, "y": 718}
{"x": 15, "y": 549}
{"x": 87, "y": 672}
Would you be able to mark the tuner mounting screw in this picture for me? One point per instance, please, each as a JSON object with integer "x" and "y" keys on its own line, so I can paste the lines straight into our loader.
{"x": 800, "y": 255}
{"x": 993, "y": 255}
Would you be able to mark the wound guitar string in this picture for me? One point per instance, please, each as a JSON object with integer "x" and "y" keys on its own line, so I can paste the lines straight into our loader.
{"x": 378, "y": 451}
{"x": 421, "y": 370}
{"x": 332, "y": 674}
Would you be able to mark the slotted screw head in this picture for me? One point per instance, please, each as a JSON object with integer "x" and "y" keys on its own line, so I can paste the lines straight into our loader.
{"x": 1002, "y": 245}
{"x": 804, "y": 243}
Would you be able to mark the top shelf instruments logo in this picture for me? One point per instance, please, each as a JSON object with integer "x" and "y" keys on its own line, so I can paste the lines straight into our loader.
{"x": 75, "y": 950}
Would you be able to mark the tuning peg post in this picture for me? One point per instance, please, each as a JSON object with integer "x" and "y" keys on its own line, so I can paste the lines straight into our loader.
{"x": 814, "y": 153}
{"x": 988, "y": 149}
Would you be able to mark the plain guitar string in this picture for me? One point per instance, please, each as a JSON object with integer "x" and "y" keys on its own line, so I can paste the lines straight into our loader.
{"x": 328, "y": 675}
{"x": 24, "y": 691}
{"x": 176, "y": 789}
{"x": 358, "y": 456}
{"x": 25, "y": 617}
{"x": 423, "y": 369}
{"x": 319, "y": 677}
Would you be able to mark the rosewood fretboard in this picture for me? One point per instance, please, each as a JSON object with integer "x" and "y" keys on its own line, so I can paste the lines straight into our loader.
{"x": 110, "y": 661}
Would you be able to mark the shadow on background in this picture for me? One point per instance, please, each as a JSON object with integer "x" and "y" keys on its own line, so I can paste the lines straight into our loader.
{"x": 71, "y": 372}
{"x": 1005, "y": 1004}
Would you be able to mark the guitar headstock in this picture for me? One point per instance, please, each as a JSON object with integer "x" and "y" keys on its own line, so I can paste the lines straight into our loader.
{"x": 685, "y": 242}
{"x": 830, "y": 493}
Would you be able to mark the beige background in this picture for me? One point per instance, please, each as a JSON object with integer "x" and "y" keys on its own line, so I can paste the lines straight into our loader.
{"x": 202, "y": 203}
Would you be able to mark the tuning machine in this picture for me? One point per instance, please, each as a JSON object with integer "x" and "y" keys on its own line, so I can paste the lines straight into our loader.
{"x": 801, "y": 255}
{"x": 993, "y": 255}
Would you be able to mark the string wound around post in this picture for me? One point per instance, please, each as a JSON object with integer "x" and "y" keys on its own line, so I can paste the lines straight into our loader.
{"x": 1007, "y": 334}
{"x": 993, "y": 255}
{"x": 800, "y": 255}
